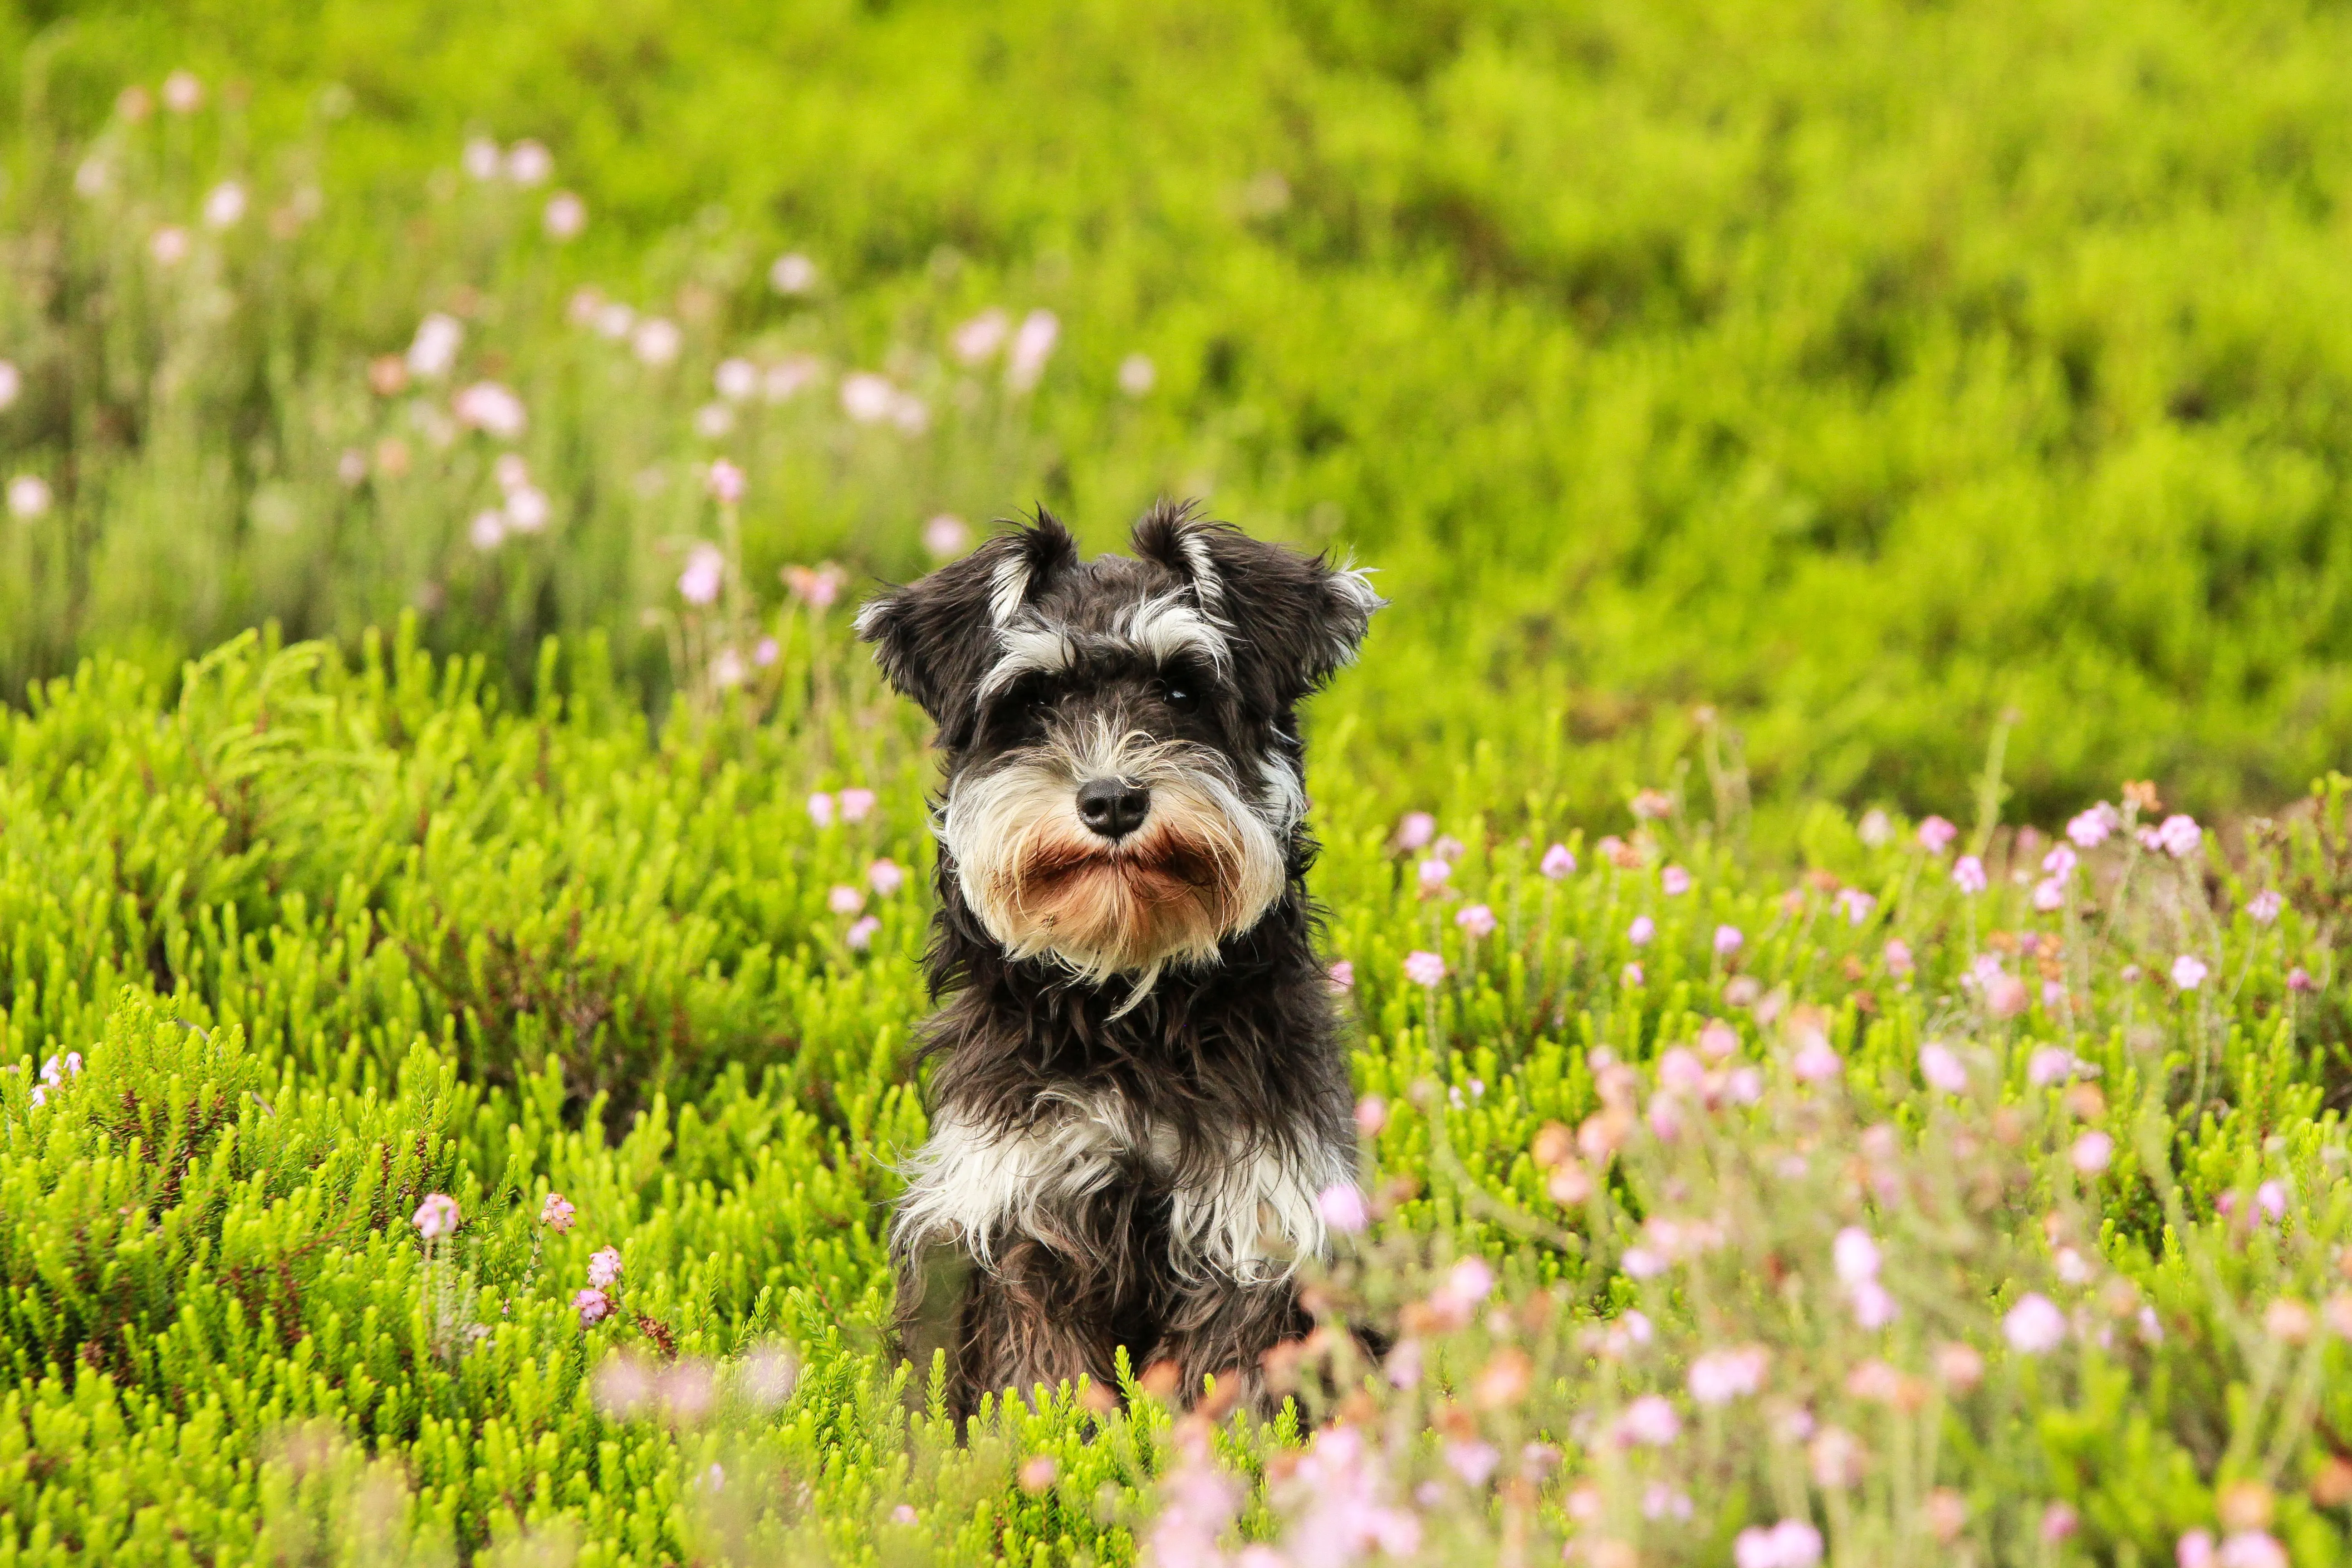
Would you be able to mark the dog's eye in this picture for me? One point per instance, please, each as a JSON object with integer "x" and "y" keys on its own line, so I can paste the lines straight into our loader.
{"x": 1181, "y": 697}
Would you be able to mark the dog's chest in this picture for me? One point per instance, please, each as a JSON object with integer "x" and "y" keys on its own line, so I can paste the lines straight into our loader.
{"x": 1247, "y": 1211}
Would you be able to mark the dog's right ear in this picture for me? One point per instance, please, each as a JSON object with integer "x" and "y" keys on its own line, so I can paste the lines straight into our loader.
{"x": 936, "y": 637}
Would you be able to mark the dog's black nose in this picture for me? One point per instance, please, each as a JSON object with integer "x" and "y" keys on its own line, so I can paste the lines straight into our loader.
{"x": 1113, "y": 807}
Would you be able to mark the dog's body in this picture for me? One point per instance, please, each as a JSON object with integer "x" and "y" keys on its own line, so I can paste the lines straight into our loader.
{"x": 1142, "y": 1093}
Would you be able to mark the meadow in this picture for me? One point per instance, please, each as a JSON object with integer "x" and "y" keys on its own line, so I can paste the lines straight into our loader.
{"x": 1832, "y": 857}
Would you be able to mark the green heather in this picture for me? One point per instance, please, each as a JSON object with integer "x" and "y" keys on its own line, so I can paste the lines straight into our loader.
{"x": 1774, "y": 426}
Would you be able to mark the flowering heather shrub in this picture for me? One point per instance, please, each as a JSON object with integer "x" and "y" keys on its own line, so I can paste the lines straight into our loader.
{"x": 436, "y": 1128}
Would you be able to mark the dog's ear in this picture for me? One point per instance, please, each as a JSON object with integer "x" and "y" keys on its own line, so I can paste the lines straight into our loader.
{"x": 1293, "y": 619}
{"x": 937, "y": 636}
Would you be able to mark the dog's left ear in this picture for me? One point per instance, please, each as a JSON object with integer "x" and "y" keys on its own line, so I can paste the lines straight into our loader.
{"x": 936, "y": 637}
{"x": 1294, "y": 619}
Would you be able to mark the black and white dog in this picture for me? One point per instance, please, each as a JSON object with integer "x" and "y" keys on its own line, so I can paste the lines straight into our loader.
{"x": 1140, "y": 1091}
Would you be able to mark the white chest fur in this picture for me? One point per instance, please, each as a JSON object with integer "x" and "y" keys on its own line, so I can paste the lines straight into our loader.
{"x": 1250, "y": 1217}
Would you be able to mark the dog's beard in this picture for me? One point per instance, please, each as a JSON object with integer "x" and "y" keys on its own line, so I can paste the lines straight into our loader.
{"x": 1202, "y": 865}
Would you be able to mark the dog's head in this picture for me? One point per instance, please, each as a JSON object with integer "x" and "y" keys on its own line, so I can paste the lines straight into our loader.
{"x": 1123, "y": 780}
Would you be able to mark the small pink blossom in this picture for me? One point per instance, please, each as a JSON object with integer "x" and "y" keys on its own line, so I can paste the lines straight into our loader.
{"x": 1675, "y": 881}
{"x": 564, "y": 216}
{"x": 1630, "y": 976}
{"x": 2092, "y": 1152}
{"x": 2034, "y": 1326}
{"x": 1423, "y": 968}
{"x": 2251, "y": 1548}
{"x": 2194, "y": 1550}
{"x": 2179, "y": 837}
{"x": 1969, "y": 874}
{"x": 1942, "y": 1068}
{"x": 2049, "y": 895}
{"x": 792, "y": 273}
{"x": 1342, "y": 1206}
{"x": 2053, "y": 1063}
{"x": 1936, "y": 835}
{"x": 1371, "y": 1114}
{"x": 1728, "y": 940}
{"x": 2005, "y": 996}
{"x": 886, "y": 877}
{"x": 2264, "y": 906}
{"x": 860, "y": 936}
{"x": 982, "y": 336}
{"x": 491, "y": 408}
{"x": 2271, "y": 1198}
{"x": 1033, "y": 344}
{"x": 605, "y": 1266}
{"x": 1473, "y": 1461}
{"x": 2299, "y": 979}
{"x": 2060, "y": 862}
{"x": 1343, "y": 975}
{"x": 1855, "y": 1254}
{"x": 857, "y": 804}
{"x": 945, "y": 535}
{"x": 845, "y": 900}
{"x": 2090, "y": 828}
{"x": 1873, "y": 1305}
{"x": 2189, "y": 972}
{"x": 820, "y": 809}
{"x": 1898, "y": 957}
{"x": 655, "y": 341}
{"x": 705, "y": 569}
{"x": 1652, "y": 805}
{"x": 2059, "y": 1520}
{"x": 1559, "y": 861}
{"x": 1720, "y": 1377}
{"x": 1476, "y": 919}
{"x": 436, "y": 1217}
{"x": 556, "y": 1212}
{"x": 1792, "y": 1543}
{"x": 1433, "y": 874}
{"x": 1857, "y": 905}
{"x": 1414, "y": 829}
{"x": 1816, "y": 1061}
{"x": 1137, "y": 374}
{"x": 593, "y": 1305}
{"x": 1639, "y": 932}
{"x": 725, "y": 481}
{"x": 1650, "y": 1421}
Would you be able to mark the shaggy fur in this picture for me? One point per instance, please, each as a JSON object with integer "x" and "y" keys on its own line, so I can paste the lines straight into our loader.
{"x": 1140, "y": 1090}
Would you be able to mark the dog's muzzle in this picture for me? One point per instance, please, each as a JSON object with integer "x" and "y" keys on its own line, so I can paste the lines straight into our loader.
{"x": 1113, "y": 807}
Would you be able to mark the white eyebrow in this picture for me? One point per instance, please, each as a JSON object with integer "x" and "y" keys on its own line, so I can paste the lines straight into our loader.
{"x": 1166, "y": 626}
{"x": 1032, "y": 648}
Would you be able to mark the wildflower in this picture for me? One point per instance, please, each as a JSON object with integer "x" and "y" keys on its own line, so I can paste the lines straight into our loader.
{"x": 1745, "y": 1086}
{"x": 2299, "y": 979}
{"x": 1857, "y": 905}
{"x": 29, "y": 497}
{"x": 1936, "y": 835}
{"x": 2271, "y": 1198}
{"x": 909, "y": 413}
{"x": 182, "y": 93}
{"x": 593, "y": 1305}
{"x": 2194, "y": 1550}
{"x": 655, "y": 341}
{"x": 1342, "y": 976}
{"x": 1855, "y": 1254}
{"x": 1643, "y": 1263}
{"x": 225, "y": 205}
{"x": 704, "y": 566}
{"x": 436, "y": 1217}
{"x": 818, "y": 587}
{"x": 1728, "y": 940}
{"x": 433, "y": 350}
{"x": 1024, "y": 363}
{"x": 1649, "y": 1422}
{"x": 480, "y": 158}
{"x": 1720, "y": 1377}
{"x": 1415, "y": 829}
{"x": 11, "y": 384}
{"x": 491, "y": 408}
{"x": 2052, "y": 1064}
{"x": 945, "y": 535}
{"x": 820, "y": 809}
{"x": 1137, "y": 374}
{"x": 1423, "y": 968}
{"x": 613, "y": 321}
{"x": 845, "y": 900}
{"x": 1792, "y": 1543}
{"x": 2288, "y": 1320}
{"x": 169, "y": 246}
{"x": 1477, "y": 919}
{"x": 792, "y": 273}
{"x": 2060, "y": 863}
{"x": 1630, "y": 976}
{"x": 556, "y": 1212}
{"x": 860, "y": 936}
{"x": 979, "y": 337}
{"x": 1969, "y": 874}
{"x": 488, "y": 531}
{"x": 1433, "y": 875}
{"x": 2261, "y": 909}
{"x": 2092, "y": 1152}
{"x": 564, "y": 216}
{"x": 1675, "y": 881}
{"x": 785, "y": 378}
{"x": 1558, "y": 861}
{"x": 1836, "y": 1458}
{"x": 1371, "y": 1111}
{"x": 1873, "y": 1305}
{"x": 2179, "y": 837}
{"x": 2058, "y": 1523}
{"x": 1639, "y": 932}
{"x": 1341, "y": 1205}
{"x": 765, "y": 652}
{"x": 1876, "y": 828}
{"x": 1941, "y": 1066}
{"x": 1037, "y": 1473}
{"x": 2034, "y": 1326}
{"x": 2189, "y": 972}
{"x": 1816, "y": 1060}
{"x": 605, "y": 1266}
{"x": 1959, "y": 1367}
{"x": 57, "y": 1069}
{"x": 2049, "y": 895}
{"x": 866, "y": 397}
{"x": 1652, "y": 804}
{"x": 2005, "y": 996}
{"x": 725, "y": 481}
{"x": 886, "y": 877}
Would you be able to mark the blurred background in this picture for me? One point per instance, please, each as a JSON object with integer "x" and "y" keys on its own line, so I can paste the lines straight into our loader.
{"x": 1787, "y": 402}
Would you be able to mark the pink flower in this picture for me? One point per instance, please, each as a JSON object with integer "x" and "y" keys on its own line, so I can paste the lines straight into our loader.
{"x": 886, "y": 877}
{"x": 2060, "y": 862}
{"x": 529, "y": 163}
{"x": 2092, "y": 1152}
{"x": 1341, "y": 1205}
{"x": 1639, "y": 932}
{"x": 1137, "y": 374}
{"x": 2271, "y": 1198}
{"x": 603, "y": 1267}
{"x": 1371, "y": 1114}
{"x": 1343, "y": 975}
{"x": 1559, "y": 861}
{"x": 860, "y": 934}
{"x": 1414, "y": 829}
{"x": 2194, "y": 1550}
{"x": 1873, "y": 1305}
{"x": 1674, "y": 880}
{"x": 979, "y": 337}
{"x": 655, "y": 341}
{"x": 491, "y": 408}
{"x": 436, "y": 1217}
{"x": 1630, "y": 976}
{"x": 725, "y": 482}
{"x": 1652, "y": 805}
{"x": 867, "y": 397}
{"x": 1941, "y": 1066}
{"x": 1969, "y": 874}
{"x": 2034, "y": 1326}
{"x": 556, "y": 1212}
{"x": 1643, "y": 1263}
{"x": 1745, "y": 1086}
{"x": 1033, "y": 344}
{"x": 564, "y": 216}
{"x": 792, "y": 273}
{"x": 845, "y": 900}
{"x": 2251, "y": 1548}
{"x": 593, "y": 1305}
{"x": 945, "y": 535}
{"x": 2180, "y": 835}
{"x": 2052, "y": 1064}
{"x": 488, "y": 531}
{"x": 2090, "y": 828}
{"x": 29, "y": 497}
{"x": 1855, "y": 1254}
{"x": 1433, "y": 875}
{"x": 182, "y": 93}
{"x": 527, "y": 509}
{"x": 1936, "y": 835}
{"x": 1477, "y": 919}
{"x": 2059, "y": 1522}
{"x": 1816, "y": 1061}
{"x": 2299, "y": 979}
{"x": 1857, "y": 905}
{"x": 2049, "y": 895}
{"x": 1792, "y": 1543}
{"x": 2264, "y": 906}
{"x": 1728, "y": 940}
{"x": 1650, "y": 1421}
{"x": 1720, "y": 1377}
{"x": 2005, "y": 996}
{"x": 705, "y": 567}
{"x": 2189, "y": 972}
{"x": 857, "y": 804}
{"x": 1423, "y": 968}
{"x": 225, "y": 205}
{"x": 820, "y": 809}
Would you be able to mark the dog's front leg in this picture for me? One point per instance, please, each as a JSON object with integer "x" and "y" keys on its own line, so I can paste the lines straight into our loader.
{"x": 1223, "y": 1329}
{"x": 934, "y": 1295}
{"x": 1040, "y": 1315}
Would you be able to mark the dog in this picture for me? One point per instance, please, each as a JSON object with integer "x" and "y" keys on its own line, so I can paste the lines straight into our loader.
{"x": 1140, "y": 1093}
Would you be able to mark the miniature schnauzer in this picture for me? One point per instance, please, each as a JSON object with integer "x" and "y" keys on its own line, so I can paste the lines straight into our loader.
{"x": 1140, "y": 1091}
